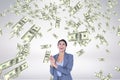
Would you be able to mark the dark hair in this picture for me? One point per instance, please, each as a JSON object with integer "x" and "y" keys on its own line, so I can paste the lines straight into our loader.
{"x": 63, "y": 41}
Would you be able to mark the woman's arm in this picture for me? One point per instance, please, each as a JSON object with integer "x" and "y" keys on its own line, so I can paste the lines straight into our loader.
{"x": 68, "y": 68}
{"x": 51, "y": 70}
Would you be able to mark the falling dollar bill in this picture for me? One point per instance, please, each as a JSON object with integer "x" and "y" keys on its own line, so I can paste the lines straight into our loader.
{"x": 80, "y": 52}
{"x": 112, "y": 3}
{"x": 18, "y": 27}
{"x": 54, "y": 35}
{"x": 30, "y": 34}
{"x": 99, "y": 74}
{"x": 83, "y": 35}
{"x": 12, "y": 62}
{"x": 102, "y": 39}
{"x": 101, "y": 59}
{"x": 0, "y": 32}
{"x": 72, "y": 36}
{"x": 47, "y": 56}
{"x": 76, "y": 8}
{"x": 23, "y": 49}
{"x": 45, "y": 46}
{"x": 103, "y": 77}
{"x": 119, "y": 43}
{"x": 9, "y": 24}
{"x": 117, "y": 68}
{"x": 57, "y": 23}
{"x": 118, "y": 31}
{"x": 15, "y": 72}
{"x": 97, "y": 46}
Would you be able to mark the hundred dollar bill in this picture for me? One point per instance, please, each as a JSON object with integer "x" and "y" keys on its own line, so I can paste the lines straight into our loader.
{"x": 83, "y": 35}
{"x": 118, "y": 31}
{"x": 76, "y": 8}
{"x": 99, "y": 74}
{"x": 57, "y": 23}
{"x": 47, "y": 56}
{"x": 102, "y": 39}
{"x": 80, "y": 52}
{"x": 101, "y": 59}
{"x": 18, "y": 26}
{"x": 12, "y": 62}
{"x": 72, "y": 36}
{"x": 103, "y": 77}
{"x": 45, "y": 46}
{"x": 15, "y": 72}
{"x": 97, "y": 46}
{"x": 30, "y": 34}
{"x": 117, "y": 68}
{"x": 55, "y": 35}
{"x": 23, "y": 49}
{"x": 9, "y": 24}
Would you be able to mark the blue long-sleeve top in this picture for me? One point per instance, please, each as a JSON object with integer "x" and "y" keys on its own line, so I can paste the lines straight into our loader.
{"x": 65, "y": 69}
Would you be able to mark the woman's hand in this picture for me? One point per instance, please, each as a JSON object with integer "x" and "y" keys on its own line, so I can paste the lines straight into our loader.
{"x": 52, "y": 62}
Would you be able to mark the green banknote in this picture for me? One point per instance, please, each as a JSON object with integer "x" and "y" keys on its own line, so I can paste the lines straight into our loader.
{"x": 15, "y": 72}
{"x": 12, "y": 62}
{"x": 30, "y": 34}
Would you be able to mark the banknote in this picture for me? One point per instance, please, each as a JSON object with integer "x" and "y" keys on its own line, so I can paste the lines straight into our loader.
{"x": 23, "y": 50}
{"x": 118, "y": 31}
{"x": 46, "y": 57}
{"x": 45, "y": 46}
{"x": 30, "y": 34}
{"x": 76, "y": 8}
{"x": 15, "y": 72}
{"x": 72, "y": 36}
{"x": 12, "y": 62}
{"x": 18, "y": 27}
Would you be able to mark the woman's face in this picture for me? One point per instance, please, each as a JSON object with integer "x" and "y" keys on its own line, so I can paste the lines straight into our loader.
{"x": 61, "y": 46}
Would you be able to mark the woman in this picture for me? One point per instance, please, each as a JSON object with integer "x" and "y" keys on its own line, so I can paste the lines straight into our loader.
{"x": 61, "y": 63}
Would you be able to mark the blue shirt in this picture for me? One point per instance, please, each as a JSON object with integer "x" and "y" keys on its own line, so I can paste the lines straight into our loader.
{"x": 61, "y": 64}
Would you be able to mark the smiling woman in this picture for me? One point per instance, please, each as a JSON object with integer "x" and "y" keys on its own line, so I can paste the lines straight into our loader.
{"x": 61, "y": 63}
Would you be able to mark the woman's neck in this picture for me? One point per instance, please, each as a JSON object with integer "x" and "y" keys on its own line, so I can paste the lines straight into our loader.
{"x": 61, "y": 53}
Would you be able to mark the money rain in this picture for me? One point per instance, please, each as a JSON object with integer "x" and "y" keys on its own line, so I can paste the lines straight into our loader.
{"x": 82, "y": 23}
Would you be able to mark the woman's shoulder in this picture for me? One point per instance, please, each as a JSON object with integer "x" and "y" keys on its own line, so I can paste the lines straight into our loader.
{"x": 71, "y": 55}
